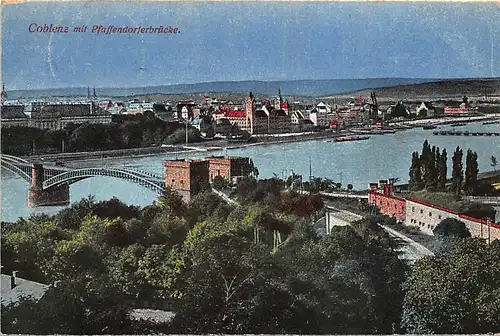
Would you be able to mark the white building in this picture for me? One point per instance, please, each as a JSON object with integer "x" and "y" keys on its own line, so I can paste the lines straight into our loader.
{"x": 319, "y": 118}
{"x": 324, "y": 108}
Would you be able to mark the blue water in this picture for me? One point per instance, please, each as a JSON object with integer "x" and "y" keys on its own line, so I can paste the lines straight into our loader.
{"x": 357, "y": 162}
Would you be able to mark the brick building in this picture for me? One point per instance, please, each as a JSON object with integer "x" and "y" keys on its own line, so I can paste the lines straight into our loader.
{"x": 187, "y": 177}
{"x": 228, "y": 167}
{"x": 387, "y": 203}
{"x": 426, "y": 216}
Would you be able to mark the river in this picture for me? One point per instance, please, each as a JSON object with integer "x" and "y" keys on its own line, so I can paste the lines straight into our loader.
{"x": 357, "y": 162}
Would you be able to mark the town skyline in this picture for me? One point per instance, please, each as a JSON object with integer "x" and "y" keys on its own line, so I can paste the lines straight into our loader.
{"x": 247, "y": 41}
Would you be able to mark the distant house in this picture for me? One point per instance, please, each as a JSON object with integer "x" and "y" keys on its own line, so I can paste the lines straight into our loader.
{"x": 425, "y": 109}
{"x": 57, "y": 116}
{"x": 300, "y": 123}
{"x": 202, "y": 125}
{"x": 13, "y": 115}
{"x": 318, "y": 118}
{"x": 15, "y": 288}
{"x": 322, "y": 107}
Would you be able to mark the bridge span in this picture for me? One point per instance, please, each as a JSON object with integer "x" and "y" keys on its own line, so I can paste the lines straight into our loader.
{"x": 49, "y": 185}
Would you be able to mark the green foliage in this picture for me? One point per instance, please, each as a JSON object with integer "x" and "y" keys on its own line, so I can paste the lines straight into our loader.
{"x": 471, "y": 171}
{"x": 318, "y": 184}
{"x": 457, "y": 172}
{"x": 453, "y": 202}
{"x": 455, "y": 291}
{"x": 299, "y": 204}
{"x": 26, "y": 248}
{"x": 171, "y": 202}
{"x": 125, "y": 131}
{"x": 81, "y": 306}
{"x": 415, "y": 182}
{"x": 442, "y": 199}
{"x": 220, "y": 183}
{"x": 477, "y": 210}
{"x": 115, "y": 208}
{"x": 179, "y": 136}
{"x": 442, "y": 171}
{"x": 365, "y": 208}
{"x": 220, "y": 268}
{"x": 429, "y": 169}
{"x": 450, "y": 227}
{"x": 250, "y": 190}
{"x": 399, "y": 111}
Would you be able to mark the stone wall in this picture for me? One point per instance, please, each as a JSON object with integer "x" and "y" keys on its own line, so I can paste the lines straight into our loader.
{"x": 228, "y": 167}
{"x": 388, "y": 205}
{"x": 58, "y": 195}
{"x": 185, "y": 177}
{"x": 427, "y": 216}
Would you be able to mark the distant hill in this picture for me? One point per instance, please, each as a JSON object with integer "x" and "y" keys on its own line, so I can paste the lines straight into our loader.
{"x": 450, "y": 88}
{"x": 311, "y": 88}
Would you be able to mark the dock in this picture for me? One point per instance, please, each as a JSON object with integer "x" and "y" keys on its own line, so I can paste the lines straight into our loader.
{"x": 466, "y": 133}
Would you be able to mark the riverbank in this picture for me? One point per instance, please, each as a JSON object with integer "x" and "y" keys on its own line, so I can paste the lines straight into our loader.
{"x": 219, "y": 145}
{"x": 207, "y": 146}
{"x": 446, "y": 120}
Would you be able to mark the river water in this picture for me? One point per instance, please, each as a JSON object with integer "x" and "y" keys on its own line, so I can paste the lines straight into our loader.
{"x": 357, "y": 162}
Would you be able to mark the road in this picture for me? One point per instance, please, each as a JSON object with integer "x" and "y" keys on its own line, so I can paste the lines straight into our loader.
{"x": 410, "y": 249}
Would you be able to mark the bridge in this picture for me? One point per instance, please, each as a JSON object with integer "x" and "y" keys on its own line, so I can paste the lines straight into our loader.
{"x": 49, "y": 185}
{"x": 466, "y": 133}
{"x": 492, "y": 200}
{"x": 343, "y": 194}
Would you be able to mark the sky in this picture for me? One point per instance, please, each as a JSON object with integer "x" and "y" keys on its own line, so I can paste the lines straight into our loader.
{"x": 233, "y": 41}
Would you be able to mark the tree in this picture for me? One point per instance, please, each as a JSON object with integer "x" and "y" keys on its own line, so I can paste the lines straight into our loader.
{"x": 451, "y": 227}
{"x": 171, "y": 201}
{"x": 457, "y": 172}
{"x": 456, "y": 291}
{"x": 220, "y": 183}
{"x": 471, "y": 171}
{"x": 415, "y": 181}
{"x": 442, "y": 171}
{"x": 431, "y": 169}
{"x": 399, "y": 111}
{"x": 493, "y": 162}
{"x": 81, "y": 306}
{"x": 226, "y": 271}
{"x": 478, "y": 210}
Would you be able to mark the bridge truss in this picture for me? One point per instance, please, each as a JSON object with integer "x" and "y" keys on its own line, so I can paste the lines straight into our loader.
{"x": 55, "y": 176}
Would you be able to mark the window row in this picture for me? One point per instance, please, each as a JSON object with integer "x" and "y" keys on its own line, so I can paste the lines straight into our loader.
{"x": 422, "y": 211}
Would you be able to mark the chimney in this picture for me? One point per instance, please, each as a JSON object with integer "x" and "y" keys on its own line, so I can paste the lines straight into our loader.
{"x": 388, "y": 190}
{"x": 13, "y": 280}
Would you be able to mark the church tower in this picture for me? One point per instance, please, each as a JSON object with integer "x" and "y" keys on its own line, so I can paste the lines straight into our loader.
{"x": 249, "y": 112}
{"x": 279, "y": 100}
{"x": 4, "y": 94}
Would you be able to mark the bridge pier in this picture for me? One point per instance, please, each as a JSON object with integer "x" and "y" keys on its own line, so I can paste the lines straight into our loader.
{"x": 37, "y": 196}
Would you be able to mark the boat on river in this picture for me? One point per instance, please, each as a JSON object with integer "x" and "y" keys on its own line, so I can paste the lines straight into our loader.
{"x": 373, "y": 131}
{"x": 429, "y": 126}
{"x": 351, "y": 138}
{"x": 491, "y": 122}
{"x": 458, "y": 124}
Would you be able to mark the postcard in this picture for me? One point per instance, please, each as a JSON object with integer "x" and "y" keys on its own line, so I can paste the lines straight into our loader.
{"x": 250, "y": 167}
